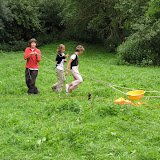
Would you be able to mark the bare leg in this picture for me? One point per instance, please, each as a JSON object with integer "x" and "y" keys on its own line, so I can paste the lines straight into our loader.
{"x": 70, "y": 84}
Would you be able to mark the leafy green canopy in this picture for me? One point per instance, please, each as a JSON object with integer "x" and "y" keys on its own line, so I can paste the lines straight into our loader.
{"x": 23, "y": 19}
{"x": 142, "y": 47}
{"x": 130, "y": 25}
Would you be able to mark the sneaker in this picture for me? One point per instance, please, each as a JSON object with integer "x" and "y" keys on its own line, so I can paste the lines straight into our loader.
{"x": 37, "y": 92}
{"x": 53, "y": 87}
{"x": 67, "y": 87}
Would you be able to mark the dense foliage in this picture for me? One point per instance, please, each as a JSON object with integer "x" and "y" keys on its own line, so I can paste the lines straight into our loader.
{"x": 24, "y": 19}
{"x": 142, "y": 46}
{"x": 131, "y": 25}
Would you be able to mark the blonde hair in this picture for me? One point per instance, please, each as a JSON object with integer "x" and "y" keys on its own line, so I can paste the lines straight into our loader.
{"x": 80, "y": 48}
{"x": 60, "y": 47}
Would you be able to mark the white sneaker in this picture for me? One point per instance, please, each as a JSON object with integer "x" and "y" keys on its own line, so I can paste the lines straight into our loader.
{"x": 67, "y": 87}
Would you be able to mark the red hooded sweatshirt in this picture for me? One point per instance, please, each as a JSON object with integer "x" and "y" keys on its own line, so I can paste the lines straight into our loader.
{"x": 32, "y": 61}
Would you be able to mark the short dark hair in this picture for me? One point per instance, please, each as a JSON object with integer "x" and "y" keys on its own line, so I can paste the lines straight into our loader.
{"x": 32, "y": 40}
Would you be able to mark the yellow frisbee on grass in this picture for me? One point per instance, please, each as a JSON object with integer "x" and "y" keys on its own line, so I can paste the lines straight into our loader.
{"x": 135, "y": 95}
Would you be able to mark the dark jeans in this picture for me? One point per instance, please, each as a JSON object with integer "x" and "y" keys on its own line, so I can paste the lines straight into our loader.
{"x": 31, "y": 76}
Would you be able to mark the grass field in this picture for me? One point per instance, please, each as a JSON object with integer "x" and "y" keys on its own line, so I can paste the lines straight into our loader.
{"x": 78, "y": 129}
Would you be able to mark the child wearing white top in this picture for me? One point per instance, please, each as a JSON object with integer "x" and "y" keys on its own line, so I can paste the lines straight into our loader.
{"x": 73, "y": 64}
{"x": 60, "y": 68}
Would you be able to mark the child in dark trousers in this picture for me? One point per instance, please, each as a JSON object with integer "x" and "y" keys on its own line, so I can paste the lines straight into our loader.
{"x": 60, "y": 68}
{"x": 32, "y": 55}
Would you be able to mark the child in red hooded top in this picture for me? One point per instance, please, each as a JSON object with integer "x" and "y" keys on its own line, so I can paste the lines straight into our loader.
{"x": 33, "y": 57}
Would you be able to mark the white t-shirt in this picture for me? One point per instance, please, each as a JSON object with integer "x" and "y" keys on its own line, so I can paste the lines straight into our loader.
{"x": 73, "y": 56}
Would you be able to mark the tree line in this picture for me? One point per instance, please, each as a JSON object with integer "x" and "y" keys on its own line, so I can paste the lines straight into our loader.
{"x": 130, "y": 28}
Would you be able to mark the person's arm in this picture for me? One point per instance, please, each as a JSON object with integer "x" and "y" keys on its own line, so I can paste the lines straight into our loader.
{"x": 38, "y": 56}
{"x": 68, "y": 65}
{"x": 26, "y": 54}
{"x": 67, "y": 55}
{"x": 59, "y": 57}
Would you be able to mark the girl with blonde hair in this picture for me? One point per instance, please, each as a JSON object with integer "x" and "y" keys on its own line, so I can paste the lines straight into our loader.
{"x": 60, "y": 68}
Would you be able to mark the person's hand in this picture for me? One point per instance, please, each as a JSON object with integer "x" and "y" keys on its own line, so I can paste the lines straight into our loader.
{"x": 66, "y": 73}
{"x": 36, "y": 54}
{"x": 65, "y": 60}
{"x": 33, "y": 53}
{"x": 67, "y": 55}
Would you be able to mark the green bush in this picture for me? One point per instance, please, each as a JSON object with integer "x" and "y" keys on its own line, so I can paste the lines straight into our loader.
{"x": 18, "y": 25}
{"x": 112, "y": 43}
{"x": 14, "y": 46}
{"x": 131, "y": 52}
{"x": 142, "y": 47}
{"x": 44, "y": 38}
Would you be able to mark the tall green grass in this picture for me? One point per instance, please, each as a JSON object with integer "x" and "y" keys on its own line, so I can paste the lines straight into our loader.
{"x": 78, "y": 129}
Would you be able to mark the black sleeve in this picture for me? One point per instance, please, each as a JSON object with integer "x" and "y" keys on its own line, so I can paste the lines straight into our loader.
{"x": 59, "y": 58}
